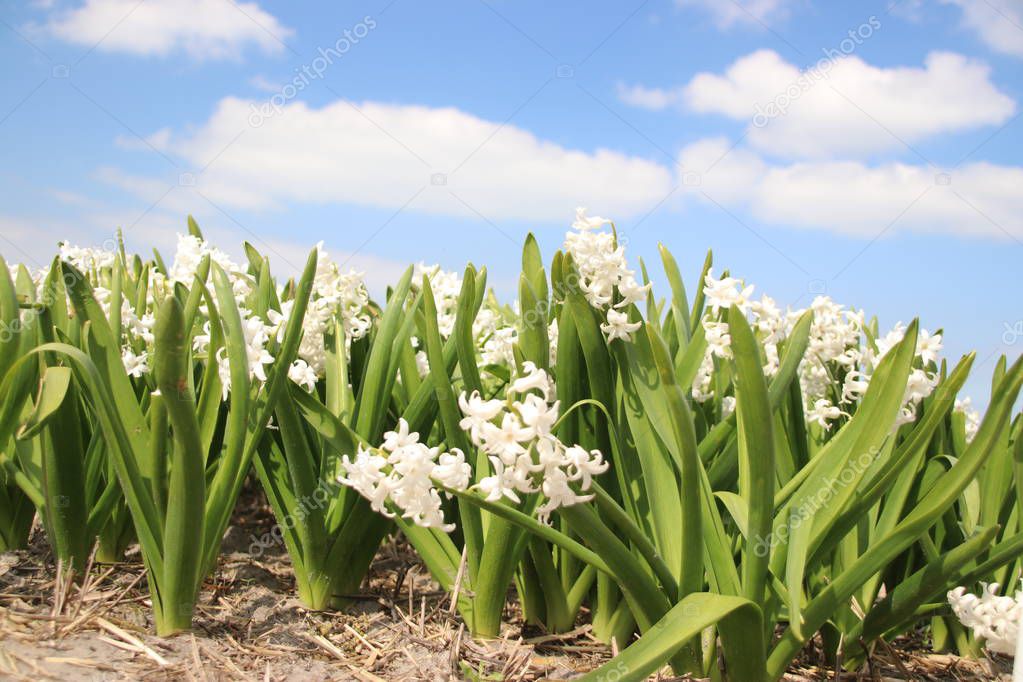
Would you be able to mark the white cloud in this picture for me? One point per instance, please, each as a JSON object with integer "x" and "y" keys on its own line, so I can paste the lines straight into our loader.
{"x": 996, "y": 23}
{"x": 846, "y": 106}
{"x": 386, "y": 156}
{"x": 202, "y": 29}
{"x": 726, "y": 174}
{"x": 654, "y": 99}
{"x": 727, "y": 13}
{"x": 340, "y": 154}
{"x": 979, "y": 199}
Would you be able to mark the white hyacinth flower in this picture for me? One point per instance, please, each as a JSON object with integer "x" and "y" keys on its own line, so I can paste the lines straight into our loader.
{"x": 996, "y": 619}
{"x": 525, "y": 456}
{"x": 532, "y": 377}
{"x": 723, "y": 293}
{"x": 407, "y": 477}
{"x": 618, "y": 326}
{"x": 585, "y": 222}
{"x": 477, "y": 412}
{"x": 823, "y": 412}
{"x": 134, "y": 365}
{"x": 302, "y": 374}
{"x": 603, "y": 271}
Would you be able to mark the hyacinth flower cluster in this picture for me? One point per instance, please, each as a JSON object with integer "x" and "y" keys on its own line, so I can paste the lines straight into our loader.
{"x": 604, "y": 272}
{"x": 997, "y": 619}
{"x": 337, "y": 295}
{"x": 136, "y": 321}
{"x": 840, "y": 359}
{"x": 446, "y": 286}
{"x": 609, "y": 285}
{"x": 494, "y": 329}
{"x": 404, "y": 473}
{"x": 515, "y": 434}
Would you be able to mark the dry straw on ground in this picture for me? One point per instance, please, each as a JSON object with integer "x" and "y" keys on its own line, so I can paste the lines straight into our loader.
{"x": 249, "y": 626}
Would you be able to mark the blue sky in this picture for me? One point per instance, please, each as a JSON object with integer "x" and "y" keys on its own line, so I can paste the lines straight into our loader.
{"x": 882, "y": 169}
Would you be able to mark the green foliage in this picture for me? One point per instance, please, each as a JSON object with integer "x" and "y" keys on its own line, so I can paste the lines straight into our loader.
{"x": 728, "y": 517}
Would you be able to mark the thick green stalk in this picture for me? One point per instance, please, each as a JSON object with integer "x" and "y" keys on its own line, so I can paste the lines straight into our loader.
{"x": 531, "y": 525}
{"x": 581, "y": 587}
{"x": 156, "y": 469}
{"x": 120, "y": 450}
{"x": 186, "y": 491}
{"x": 63, "y": 475}
{"x": 690, "y": 471}
{"x": 558, "y": 618}
{"x": 306, "y": 520}
{"x": 454, "y": 436}
{"x": 684, "y": 435}
{"x": 497, "y": 566}
{"x": 616, "y": 515}
{"x": 607, "y": 597}
{"x": 647, "y": 600}
{"x": 531, "y": 595}
{"x": 756, "y": 452}
{"x": 242, "y": 446}
{"x": 239, "y": 443}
